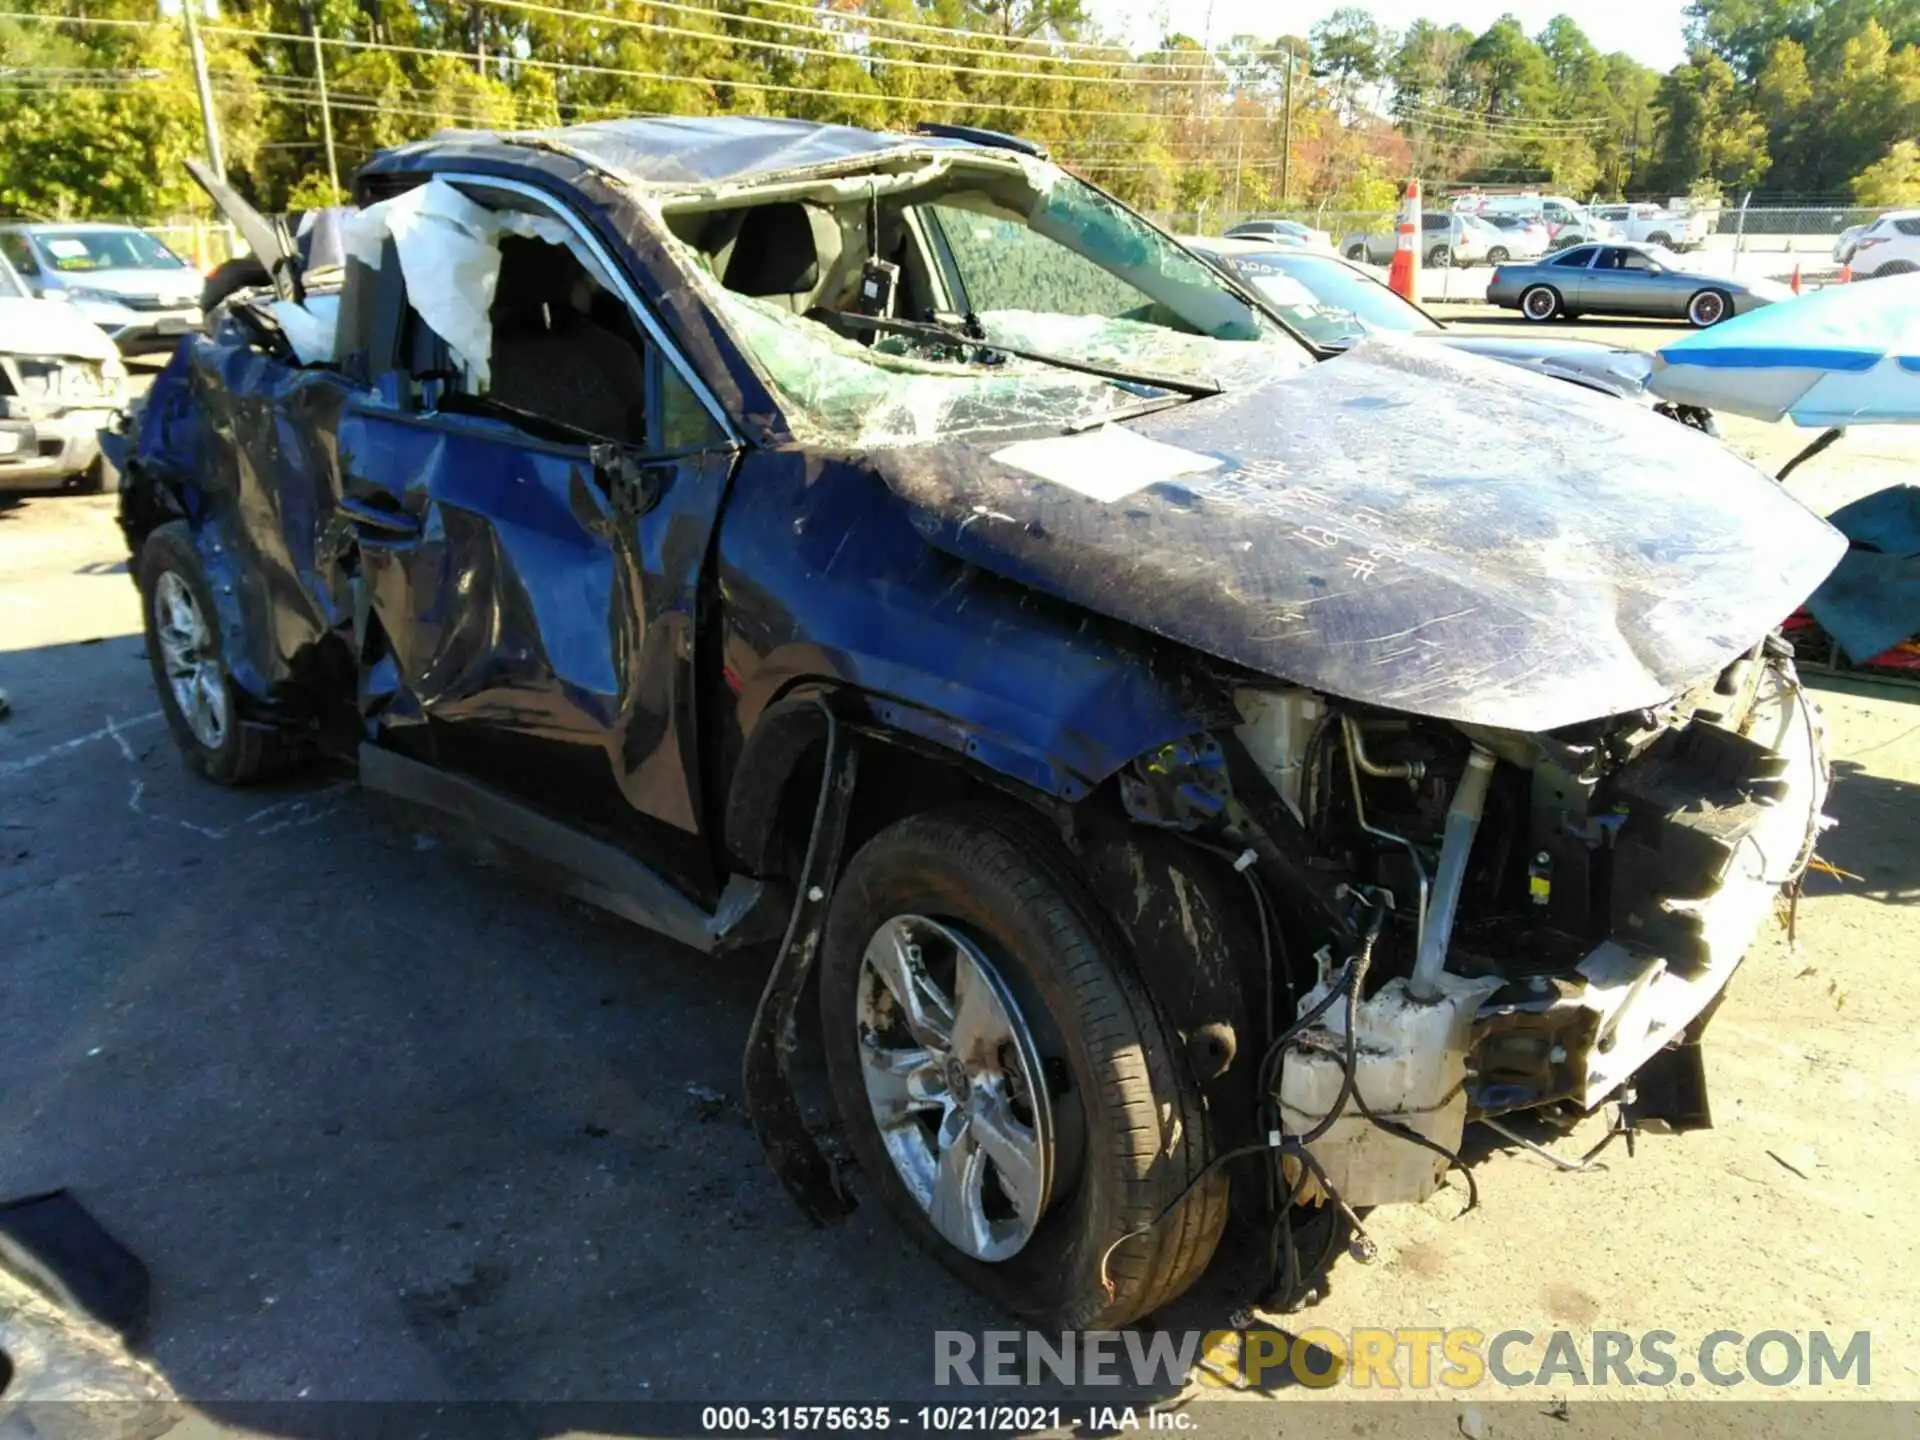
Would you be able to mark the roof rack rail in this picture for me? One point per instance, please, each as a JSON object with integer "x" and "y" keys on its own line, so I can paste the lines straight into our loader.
{"x": 999, "y": 139}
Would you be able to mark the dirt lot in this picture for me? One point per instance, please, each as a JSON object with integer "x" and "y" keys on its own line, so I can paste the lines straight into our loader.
{"x": 389, "y": 1126}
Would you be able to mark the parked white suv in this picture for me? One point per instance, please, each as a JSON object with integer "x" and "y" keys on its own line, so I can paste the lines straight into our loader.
{"x": 1889, "y": 246}
{"x": 1656, "y": 225}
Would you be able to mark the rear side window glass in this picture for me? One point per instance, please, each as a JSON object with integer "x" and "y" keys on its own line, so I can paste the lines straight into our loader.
{"x": 684, "y": 422}
{"x": 1908, "y": 227}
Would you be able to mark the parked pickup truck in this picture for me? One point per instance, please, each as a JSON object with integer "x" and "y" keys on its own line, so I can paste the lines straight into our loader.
{"x": 1657, "y": 225}
{"x": 1167, "y": 752}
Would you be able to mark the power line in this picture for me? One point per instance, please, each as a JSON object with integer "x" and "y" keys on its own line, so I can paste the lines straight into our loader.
{"x": 573, "y": 67}
{"x": 1006, "y": 40}
{"x": 853, "y": 56}
{"x": 1199, "y": 61}
{"x": 1448, "y": 112}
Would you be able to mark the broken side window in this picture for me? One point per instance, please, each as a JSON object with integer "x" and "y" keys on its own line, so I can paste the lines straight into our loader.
{"x": 872, "y": 303}
{"x": 1005, "y": 266}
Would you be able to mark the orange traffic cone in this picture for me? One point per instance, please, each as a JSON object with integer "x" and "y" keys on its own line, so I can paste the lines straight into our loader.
{"x": 1403, "y": 275}
{"x": 1796, "y": 278}
{"x": 1846, "y": 273}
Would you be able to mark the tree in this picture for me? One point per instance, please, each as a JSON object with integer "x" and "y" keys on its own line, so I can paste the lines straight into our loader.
{"x": 1350, "y": 46}
{"x": 1706, "y": 129}
{"x": 1894, "y": 179}
{"x": 1743, "y": 32}
{"x": 1511, "y": 73}
{"x": 1575, "y": 62}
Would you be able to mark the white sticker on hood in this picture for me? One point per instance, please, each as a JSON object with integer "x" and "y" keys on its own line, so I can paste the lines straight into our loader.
{"x": 1107, "y": 464}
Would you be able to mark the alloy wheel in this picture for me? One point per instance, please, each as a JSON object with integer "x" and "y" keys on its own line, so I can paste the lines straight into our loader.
{"x": 192, "y": 664}
{"x": 956, "y": 1086}
{"x": 1707, "y": 309}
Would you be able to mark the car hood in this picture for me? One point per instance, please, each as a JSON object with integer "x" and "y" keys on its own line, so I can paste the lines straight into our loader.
{"x": 51, "y": 327}
{"x": 179, "y": 285}
{"x": 1623, "y": 370}
{"x": 1406, "y": 526}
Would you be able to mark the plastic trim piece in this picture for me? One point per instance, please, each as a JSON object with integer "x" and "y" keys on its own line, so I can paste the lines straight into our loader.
{"x": 585, "y": 866}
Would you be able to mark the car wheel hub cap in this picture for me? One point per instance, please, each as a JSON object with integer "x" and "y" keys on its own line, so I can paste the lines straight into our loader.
{"x": 955, "y": 1085}
{"x": 187, "y": 652}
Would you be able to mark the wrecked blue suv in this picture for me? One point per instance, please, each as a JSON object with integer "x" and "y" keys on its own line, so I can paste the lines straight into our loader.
{"x": 1188, "y": 765}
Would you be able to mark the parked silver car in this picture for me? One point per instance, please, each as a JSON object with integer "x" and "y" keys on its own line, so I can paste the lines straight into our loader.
{"x": 1445, "y": 239}
{"x": 119, "y": 277}
{"x": 1626, "y": 280}
{"x": 1336, "y": 305}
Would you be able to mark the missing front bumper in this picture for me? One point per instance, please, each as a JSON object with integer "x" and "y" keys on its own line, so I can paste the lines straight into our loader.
{"x": 1582, "y": 1035}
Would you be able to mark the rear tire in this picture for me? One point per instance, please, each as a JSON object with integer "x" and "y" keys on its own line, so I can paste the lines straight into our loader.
{"x": 1497, "y": 255}
{"x": 1896, "y": 267}
{"x": 1356, "y": 252}
{"x": 190, "y": 674}
{"x": 1540, "y": 303}
{"x": 1660, "y": 237}
{"x": 1708, "y": 308}
{"x": 1124, "y": 1132}
{"x": 1439, "y": 258}
{"x": 92, "y": 480}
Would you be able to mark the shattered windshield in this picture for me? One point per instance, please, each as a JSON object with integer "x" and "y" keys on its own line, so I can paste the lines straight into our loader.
{"x": 1327, "y": 300}
{"x": 877, "y": 308}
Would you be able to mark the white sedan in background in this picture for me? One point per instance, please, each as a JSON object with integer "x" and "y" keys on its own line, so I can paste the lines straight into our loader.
{"x": 1287, "y": 232}
{"x": 61, "y": 383}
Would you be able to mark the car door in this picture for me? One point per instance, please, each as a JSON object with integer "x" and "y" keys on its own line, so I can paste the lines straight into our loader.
{"x": 1567, "y": 273}
{"x": 530, "y": 541}
{"x": 1611, "y": 283}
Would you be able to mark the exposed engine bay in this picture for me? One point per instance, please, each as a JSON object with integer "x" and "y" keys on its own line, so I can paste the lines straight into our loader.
{"x": 1532, "y": 920}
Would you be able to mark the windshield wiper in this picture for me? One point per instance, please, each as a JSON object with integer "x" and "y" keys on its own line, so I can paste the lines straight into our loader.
{"x": 1192, "y": 389}
{"x": 1128, "y": 412}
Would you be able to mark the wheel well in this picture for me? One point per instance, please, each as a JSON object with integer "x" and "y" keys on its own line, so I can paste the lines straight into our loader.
{"x": 775, "y": 785}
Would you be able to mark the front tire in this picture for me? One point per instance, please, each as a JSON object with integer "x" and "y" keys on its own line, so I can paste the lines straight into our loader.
{"x": 1497, "y": 255}
{"x": 1004, "y": 1079}
{"x": 1661, "y": 238}
{"x": 1540, "y": 303}
{"x": 1708, "y": 308}
{"x": 197, "y": 693}
{"x": 1356, "y": 252}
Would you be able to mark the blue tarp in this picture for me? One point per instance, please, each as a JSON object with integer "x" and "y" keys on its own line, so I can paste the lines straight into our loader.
{"x": 1871, "y": 601}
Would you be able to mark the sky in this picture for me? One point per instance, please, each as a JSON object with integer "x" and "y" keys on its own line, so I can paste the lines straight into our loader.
{"x": 1648, "y": 30}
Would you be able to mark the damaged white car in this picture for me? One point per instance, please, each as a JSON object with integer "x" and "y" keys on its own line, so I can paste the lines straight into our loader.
{"x": 61, "y": 383}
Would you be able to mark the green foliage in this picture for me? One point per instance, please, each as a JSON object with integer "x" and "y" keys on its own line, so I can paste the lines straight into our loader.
{"x": 1707, "y": 128}
{"x": 1835, "y": 84}
{"x": 1892, "y": 180}
{"x": 1804, "y": 95}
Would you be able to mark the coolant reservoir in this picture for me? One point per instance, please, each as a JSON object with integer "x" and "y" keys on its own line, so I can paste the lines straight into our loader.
{"x": 1411, "y": 1067}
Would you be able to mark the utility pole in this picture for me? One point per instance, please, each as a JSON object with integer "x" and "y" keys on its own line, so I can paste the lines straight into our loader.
{"x": 326, "y": 111}
{"x": 205, "y": 86}
{"x": 1286, "y": 153}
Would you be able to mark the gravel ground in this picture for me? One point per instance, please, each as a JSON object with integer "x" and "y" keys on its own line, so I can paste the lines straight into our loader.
{"x": 387, "y": 1125}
